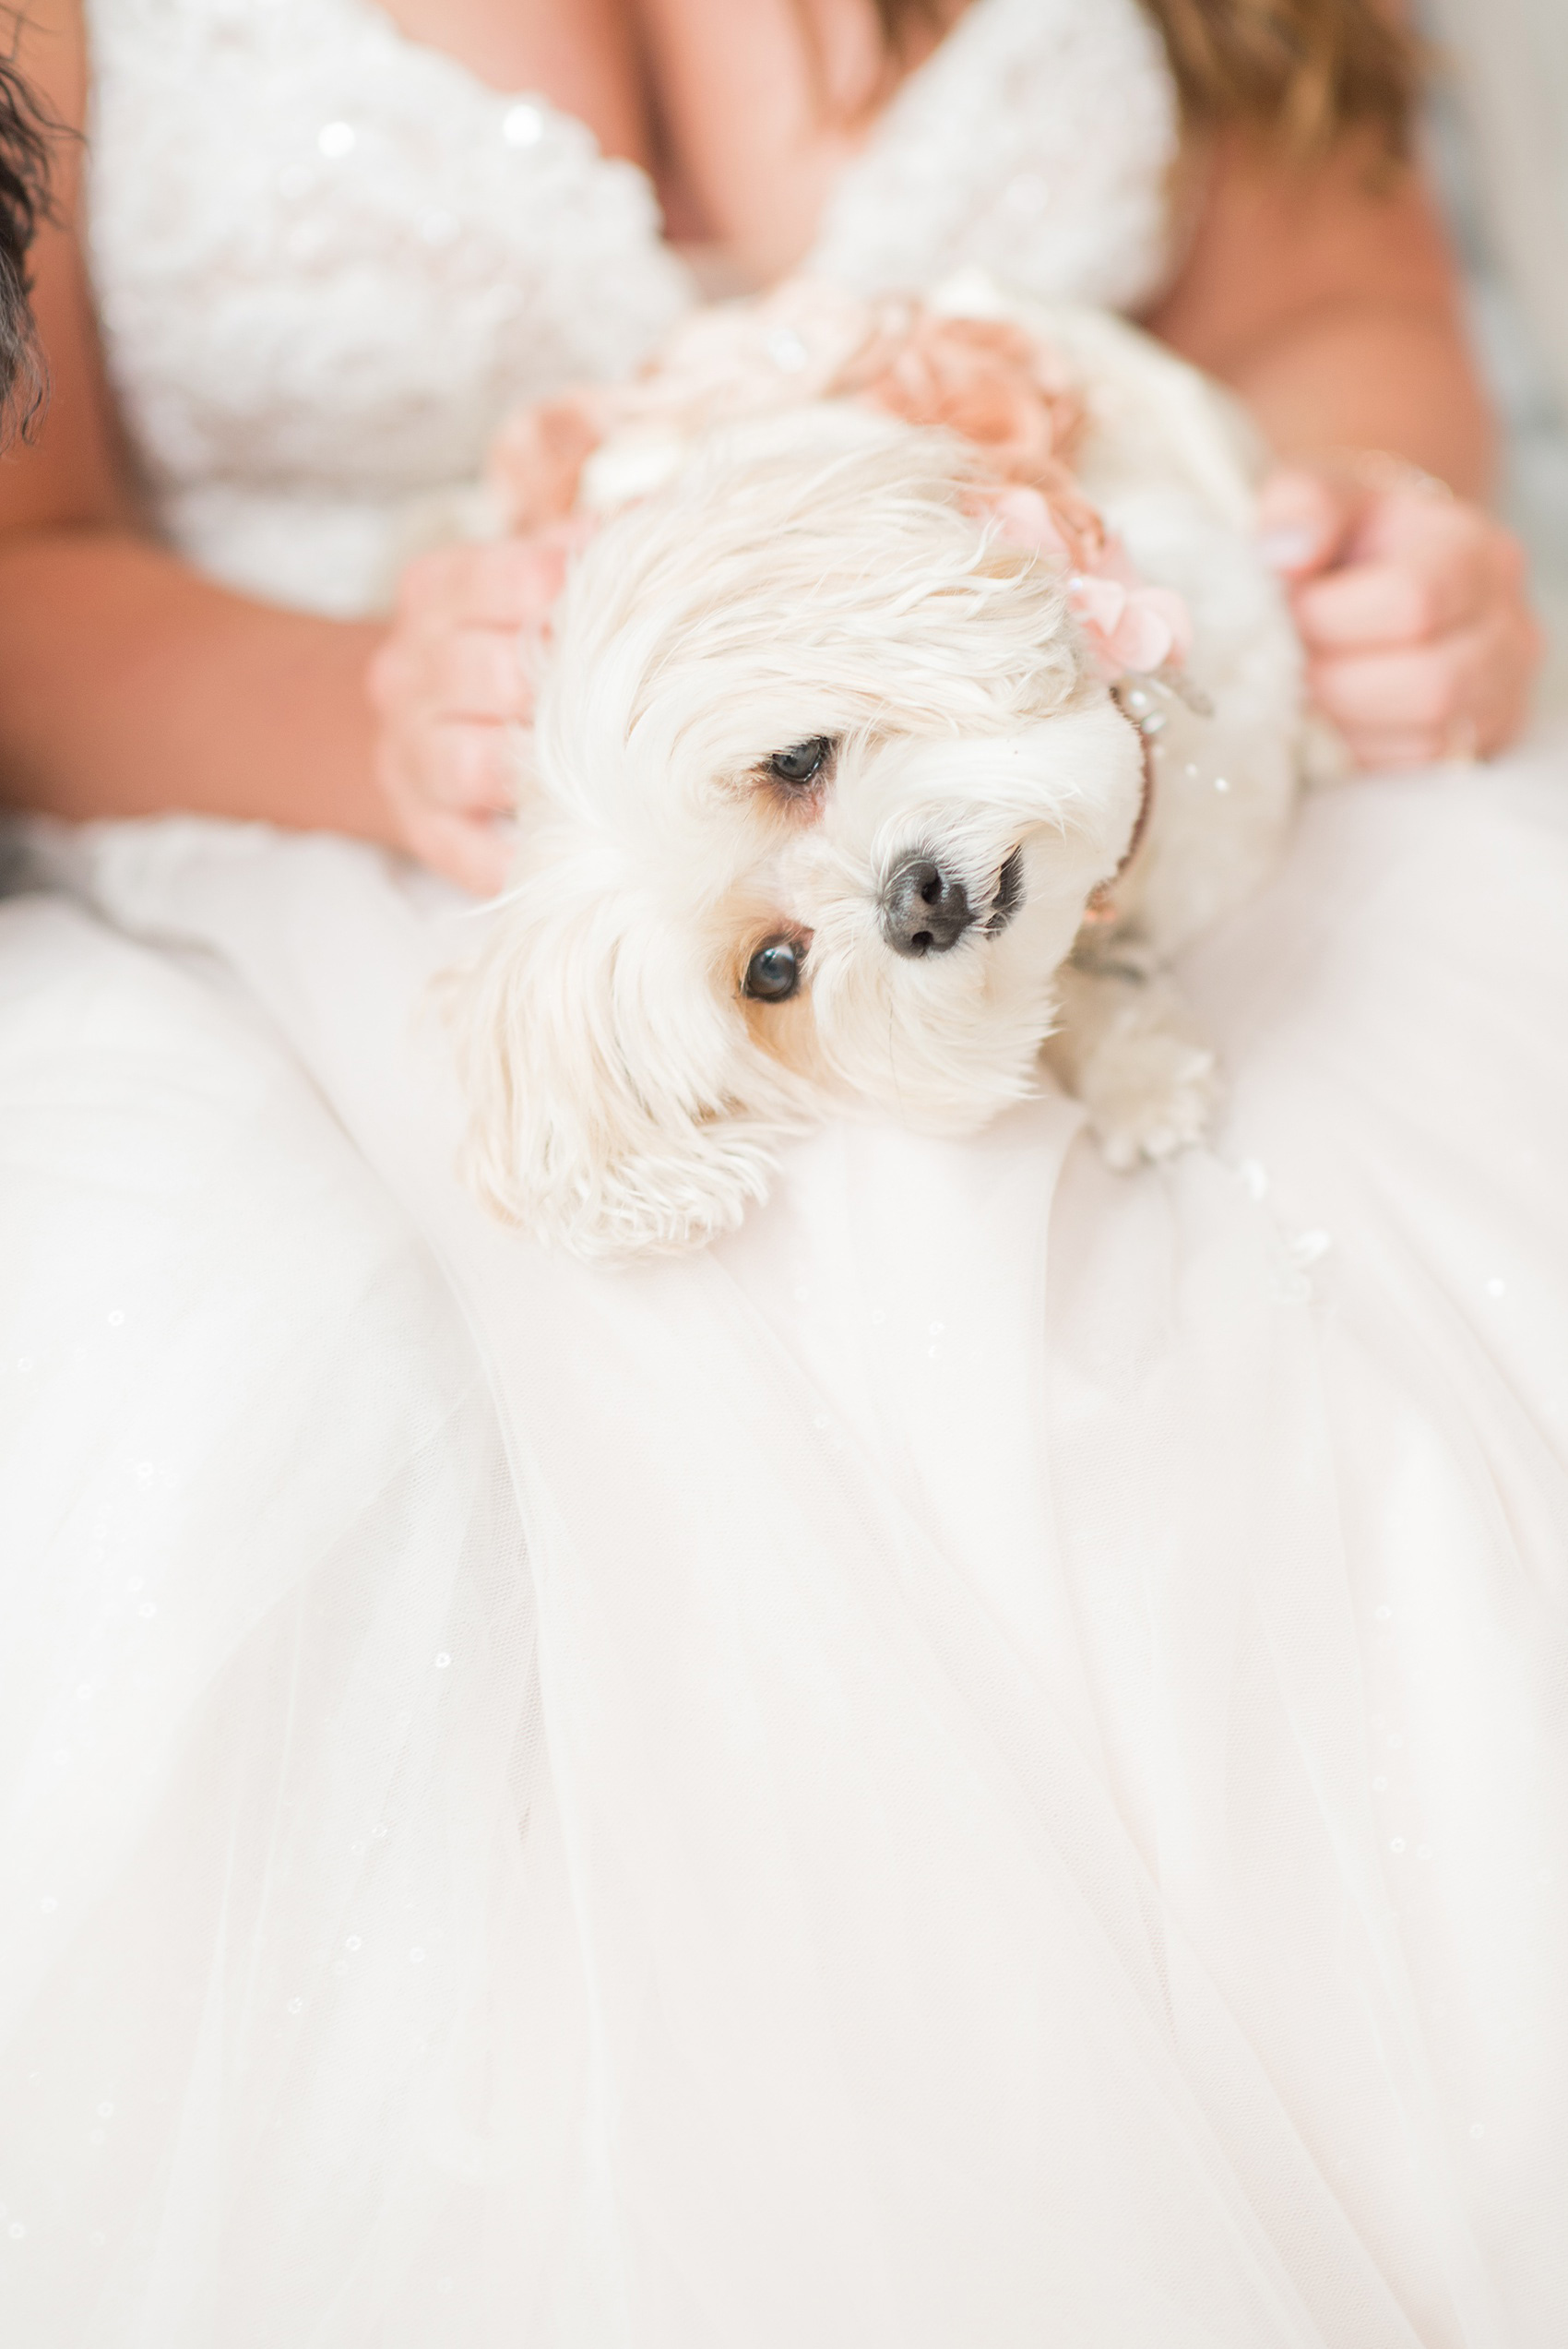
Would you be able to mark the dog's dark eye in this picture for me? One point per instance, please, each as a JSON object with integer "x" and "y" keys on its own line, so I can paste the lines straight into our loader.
{"x": 774, "y": 972}
{"x": 803, "y": 763}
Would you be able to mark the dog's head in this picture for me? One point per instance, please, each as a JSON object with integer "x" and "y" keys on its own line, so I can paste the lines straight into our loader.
{"x": 821, "y": 780}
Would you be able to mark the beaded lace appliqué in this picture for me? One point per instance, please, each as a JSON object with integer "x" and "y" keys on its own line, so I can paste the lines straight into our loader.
{"x": 328, "y": 261}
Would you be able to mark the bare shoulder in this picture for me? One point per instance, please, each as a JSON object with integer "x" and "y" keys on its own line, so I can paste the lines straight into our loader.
{"x": 1270, "y": 239}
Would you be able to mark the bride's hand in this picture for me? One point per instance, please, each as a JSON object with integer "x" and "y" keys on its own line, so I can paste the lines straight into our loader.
{"x": 1411, "y": 604}
{"x": 446, "y": 684}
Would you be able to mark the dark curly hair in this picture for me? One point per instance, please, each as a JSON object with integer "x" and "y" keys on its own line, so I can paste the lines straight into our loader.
{"x": 24, "y": 202}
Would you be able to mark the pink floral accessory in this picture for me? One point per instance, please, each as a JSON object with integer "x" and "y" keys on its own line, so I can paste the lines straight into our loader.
{"x": 1129, "y": 623}
{"x": 984, "y": 379}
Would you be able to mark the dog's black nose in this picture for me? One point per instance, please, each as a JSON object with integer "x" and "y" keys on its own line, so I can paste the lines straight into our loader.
{"x": 924, "y": 909}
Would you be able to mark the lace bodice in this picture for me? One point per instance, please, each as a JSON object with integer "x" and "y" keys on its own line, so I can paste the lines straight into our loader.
{"x": 330, "y": 259}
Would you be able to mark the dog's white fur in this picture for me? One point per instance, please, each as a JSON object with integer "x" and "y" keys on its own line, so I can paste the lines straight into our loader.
{"x": 824, "y": 573}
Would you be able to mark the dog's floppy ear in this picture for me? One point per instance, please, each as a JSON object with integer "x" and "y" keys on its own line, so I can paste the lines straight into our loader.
{"x": 618, "y": 1105}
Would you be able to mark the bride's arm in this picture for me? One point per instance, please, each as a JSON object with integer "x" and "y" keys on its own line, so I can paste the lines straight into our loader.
{"x": 1328, "y": 298}
{"x": 1326, "y": 294}
{"x": 127, "y": 683}
{"x": 130, "y": 684}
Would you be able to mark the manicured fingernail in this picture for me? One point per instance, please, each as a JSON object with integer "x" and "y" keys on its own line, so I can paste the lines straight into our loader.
{"x": 1287, "y": 550}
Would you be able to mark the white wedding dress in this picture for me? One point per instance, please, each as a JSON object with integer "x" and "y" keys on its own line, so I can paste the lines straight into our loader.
{"x": 983, "y": 1764}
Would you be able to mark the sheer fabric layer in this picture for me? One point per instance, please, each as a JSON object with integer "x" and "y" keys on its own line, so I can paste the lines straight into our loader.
{"x": 1052, "y": 1689}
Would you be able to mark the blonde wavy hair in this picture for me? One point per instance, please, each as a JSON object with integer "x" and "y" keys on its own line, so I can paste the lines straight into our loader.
{"x": 1302, "y": 75}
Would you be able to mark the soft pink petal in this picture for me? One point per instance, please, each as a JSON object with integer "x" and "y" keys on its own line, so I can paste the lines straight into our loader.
{"x": 1142, "y": 637}
{"x": 1099, "y": 604}
{"x": 1023, "y": 518}
{"x": 1173, "y": 611}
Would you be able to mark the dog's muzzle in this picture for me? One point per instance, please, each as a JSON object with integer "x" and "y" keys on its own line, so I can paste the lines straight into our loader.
{"x": 922, "y": 909}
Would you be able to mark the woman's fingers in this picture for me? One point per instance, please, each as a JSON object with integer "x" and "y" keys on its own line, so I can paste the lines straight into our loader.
{"x": 449, "y": 687}
{"x": 1305, "y": 519}
{"x": 458, "y": 672}
{"x": 472, "y": 673}
{"x": 1425, "y": 687}
{"x": 450, "y": 787}
{"x": 1463, "y": 696}
{"x": 1382, "y": 752}
{"x": 510, "y": 583}
{"x": 462, "y": 764}
{"x": 1419, "y": 640}
{"x": 1418, "y": 569}
{"x": 476, "y": 855}
{"x": 1391, "y": 602}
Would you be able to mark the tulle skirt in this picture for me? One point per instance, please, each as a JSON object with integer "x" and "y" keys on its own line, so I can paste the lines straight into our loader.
{"x": 983, "y": 1764}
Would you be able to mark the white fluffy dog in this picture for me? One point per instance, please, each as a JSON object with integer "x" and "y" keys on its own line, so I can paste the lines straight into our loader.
{"x": 840, "y": 788}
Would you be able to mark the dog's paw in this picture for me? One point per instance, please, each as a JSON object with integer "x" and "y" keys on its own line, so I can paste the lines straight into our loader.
{"x": 1126, "y": 1047}
{"x": 1148, "y": 1092}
